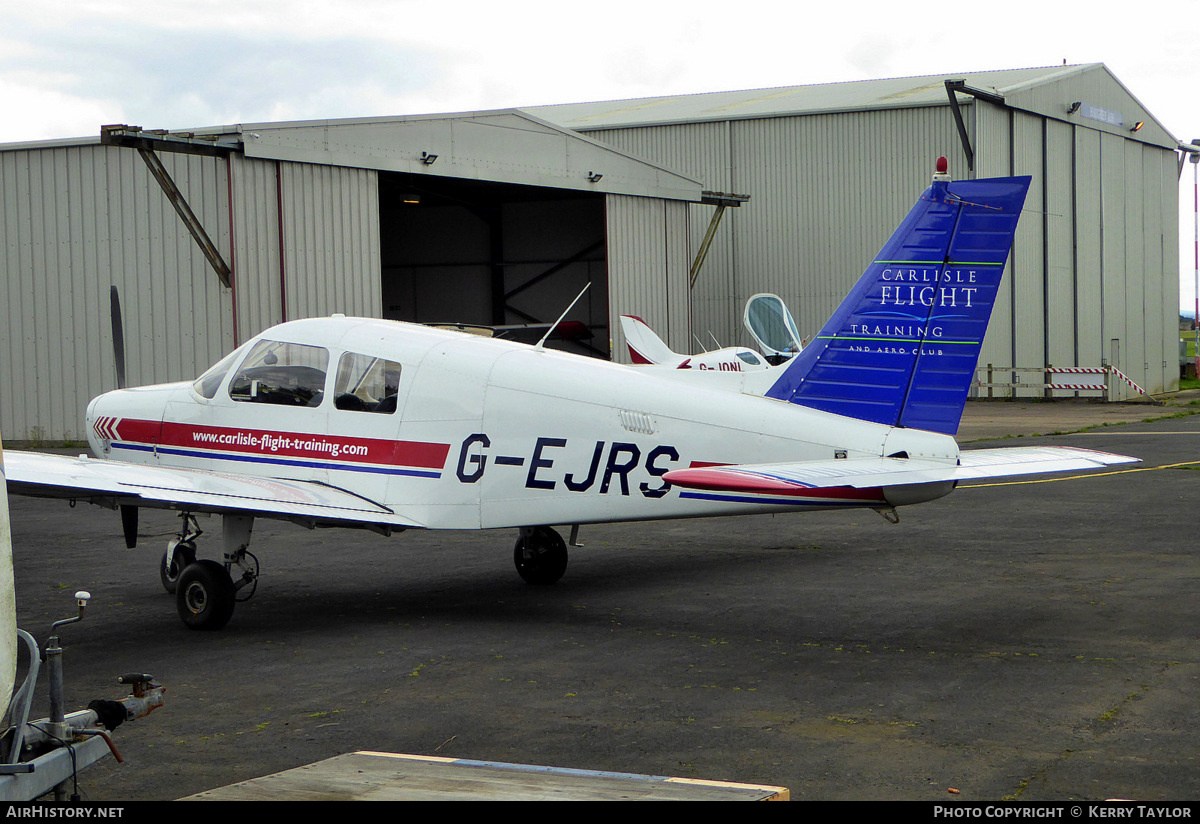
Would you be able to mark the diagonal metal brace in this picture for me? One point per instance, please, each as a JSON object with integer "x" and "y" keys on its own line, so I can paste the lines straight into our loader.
{"x": 953, "y": 86}
{"x": 722, "y": 201}
{"x": 187, "y": 215}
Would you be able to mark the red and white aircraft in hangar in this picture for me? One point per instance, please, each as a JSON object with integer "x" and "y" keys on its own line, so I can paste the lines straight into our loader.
{"x": 767, "y": 320}
{"x": 392, "y": 426}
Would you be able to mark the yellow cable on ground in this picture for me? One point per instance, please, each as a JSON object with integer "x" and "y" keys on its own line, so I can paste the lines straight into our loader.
{"x": 1081, "y": 477}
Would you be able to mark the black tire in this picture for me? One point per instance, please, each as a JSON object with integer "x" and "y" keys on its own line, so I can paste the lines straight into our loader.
{"x": 205, "y": 595}
{"x": 540, "y": 556}
{"x": 185, "y": 556}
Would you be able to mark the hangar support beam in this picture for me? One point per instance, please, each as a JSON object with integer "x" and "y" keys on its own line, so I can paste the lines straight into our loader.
{"x": 722, "y": 201}
{"x": 954, "y": 86}
{"x": 146, "y": 143}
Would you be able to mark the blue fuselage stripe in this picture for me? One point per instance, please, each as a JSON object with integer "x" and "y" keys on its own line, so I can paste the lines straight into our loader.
{"x": 739, "y": 499}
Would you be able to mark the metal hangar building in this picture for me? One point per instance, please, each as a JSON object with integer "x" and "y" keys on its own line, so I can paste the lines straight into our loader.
{"x": 830, "y": 170}
{"x": 213, "y": 235}
{"x": 502, "y": 217}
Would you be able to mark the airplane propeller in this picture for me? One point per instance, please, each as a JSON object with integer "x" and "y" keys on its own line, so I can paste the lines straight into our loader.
{"x": 118, "y": 336}
{"x": 129, "y": 513}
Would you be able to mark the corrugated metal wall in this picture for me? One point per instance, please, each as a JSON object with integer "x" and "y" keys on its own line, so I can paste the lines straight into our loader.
{"x": 329, "y": 259}
{"x": 331, "y": 232}
{"x": 305, "y": 242}
{"x": 825, "y": 193}
{"x": 1092, "y": 278}
{"x": 257, "y": 253}
{"x": 78, "y": 219}
{"x": 699, "y": 151}
{"x": 648, "y": 267}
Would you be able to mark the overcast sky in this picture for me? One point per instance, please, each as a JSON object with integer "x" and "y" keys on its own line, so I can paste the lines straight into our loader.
{"x": 69, "y": 66}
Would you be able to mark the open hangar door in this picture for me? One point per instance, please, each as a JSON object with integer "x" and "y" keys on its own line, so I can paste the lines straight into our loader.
{"x": 495, "y": 254}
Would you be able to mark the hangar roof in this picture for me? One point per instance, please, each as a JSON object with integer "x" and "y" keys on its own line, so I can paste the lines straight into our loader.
{"x": 542, "y": 146}
{"x": 506, "y": 146}
{"x": 1032, "y": 89}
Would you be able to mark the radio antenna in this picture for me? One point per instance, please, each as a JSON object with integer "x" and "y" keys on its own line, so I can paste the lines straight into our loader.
{"x": 553, "y": 326}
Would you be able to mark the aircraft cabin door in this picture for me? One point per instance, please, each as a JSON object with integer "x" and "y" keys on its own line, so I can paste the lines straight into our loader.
{"x": 443, "y": 435}
{"x": 368, "y": 398}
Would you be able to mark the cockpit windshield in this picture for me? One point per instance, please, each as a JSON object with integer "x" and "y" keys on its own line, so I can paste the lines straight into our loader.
{"x": 768, "y": 320}
{"x": 207, "y": 384}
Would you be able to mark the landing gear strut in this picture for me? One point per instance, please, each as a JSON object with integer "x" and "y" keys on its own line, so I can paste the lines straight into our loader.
{"x": 205, "y": 590}
{"x": 540, "y": 555}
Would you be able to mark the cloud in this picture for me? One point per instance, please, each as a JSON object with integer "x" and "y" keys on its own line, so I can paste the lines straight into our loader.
{"x": 163, "y": 79}
{"x": 47, "y": 114}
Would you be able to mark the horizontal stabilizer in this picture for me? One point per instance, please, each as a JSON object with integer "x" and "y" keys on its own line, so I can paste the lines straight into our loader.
{"x": 1033, "y": 460}
{"x": 866, "y": 473}
{"x": 194, "y": 490}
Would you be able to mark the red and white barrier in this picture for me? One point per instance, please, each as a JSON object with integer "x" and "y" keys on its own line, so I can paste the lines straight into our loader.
{"x": 1097, "y": 385}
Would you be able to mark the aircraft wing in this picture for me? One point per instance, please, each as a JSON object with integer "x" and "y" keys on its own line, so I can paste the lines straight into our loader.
{"x": 110, "y": 483}
{"x": 866, "y": 473}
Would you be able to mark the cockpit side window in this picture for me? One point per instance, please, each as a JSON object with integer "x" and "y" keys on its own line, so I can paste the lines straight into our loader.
{"x": 366, "y": 384}
{"x": 289, "y": 374}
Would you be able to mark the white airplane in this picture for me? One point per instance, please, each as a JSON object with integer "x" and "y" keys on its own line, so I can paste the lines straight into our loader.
{"x": 648, "y": 349}
{"x": 766, "y": 318}
{"x": 391, "y": 426}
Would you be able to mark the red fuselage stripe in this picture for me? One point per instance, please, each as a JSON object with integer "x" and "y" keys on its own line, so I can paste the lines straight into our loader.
{"x": 731, "y": 480}
{"x": 285, "y": 444}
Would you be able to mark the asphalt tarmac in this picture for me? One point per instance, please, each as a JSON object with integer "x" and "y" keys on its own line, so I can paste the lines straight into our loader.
{"x": 1025, "y": 641}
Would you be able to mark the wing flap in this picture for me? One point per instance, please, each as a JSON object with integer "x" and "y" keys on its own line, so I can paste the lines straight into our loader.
{"x": 867, "y": 473}
{"x": 83, "y": 478}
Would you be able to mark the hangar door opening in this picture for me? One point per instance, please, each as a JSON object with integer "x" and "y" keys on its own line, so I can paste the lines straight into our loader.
{"x": 495, "y": 254}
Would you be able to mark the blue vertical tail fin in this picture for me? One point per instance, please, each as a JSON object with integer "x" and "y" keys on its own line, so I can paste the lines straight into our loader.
{"x": 902, "y": 348}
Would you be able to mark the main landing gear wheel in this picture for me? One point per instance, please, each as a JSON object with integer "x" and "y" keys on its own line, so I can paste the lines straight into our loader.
{"x": 540, "y": 555}
{"x": 205, "y": 595}
{"x": 168, "y": 573}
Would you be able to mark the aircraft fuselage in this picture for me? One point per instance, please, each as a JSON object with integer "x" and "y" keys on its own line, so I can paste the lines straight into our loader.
{"x": 483, "y": 433}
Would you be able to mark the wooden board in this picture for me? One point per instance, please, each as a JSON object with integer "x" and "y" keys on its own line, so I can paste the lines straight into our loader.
{"x": 376, "y": 776}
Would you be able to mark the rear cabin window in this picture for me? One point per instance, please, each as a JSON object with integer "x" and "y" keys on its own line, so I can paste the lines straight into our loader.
{"x": 366, "y": 384}
{"x": 286, "y": 374}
